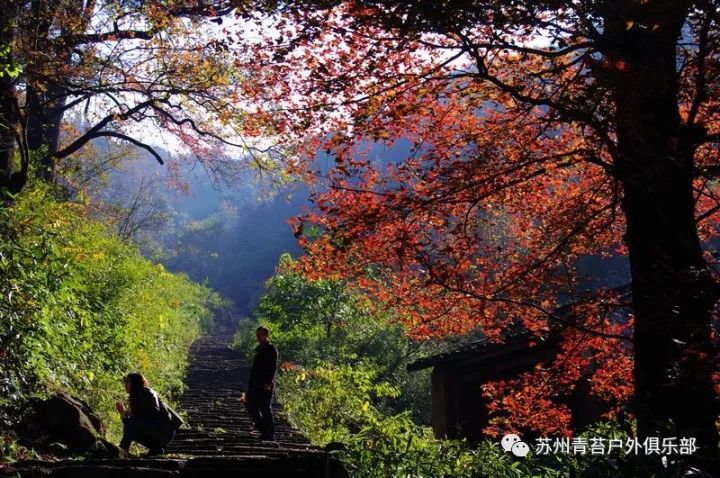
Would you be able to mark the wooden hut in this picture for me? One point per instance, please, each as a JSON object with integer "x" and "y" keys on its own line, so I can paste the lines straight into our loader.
{"x": 458, "y": 407}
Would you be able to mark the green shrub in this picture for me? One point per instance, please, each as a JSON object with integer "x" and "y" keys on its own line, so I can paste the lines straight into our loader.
{"x": 80, "y": 309}
{"x": 335, "y": 403}
{"x": 326, "y": 322}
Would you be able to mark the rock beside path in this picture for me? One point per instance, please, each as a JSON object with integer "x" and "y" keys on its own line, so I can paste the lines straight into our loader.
{"x": 65, "y": 426}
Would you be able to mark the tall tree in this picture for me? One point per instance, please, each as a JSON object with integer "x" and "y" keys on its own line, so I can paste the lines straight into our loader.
{"x": 118, "y": 62}
{"x": 539, "y": 131}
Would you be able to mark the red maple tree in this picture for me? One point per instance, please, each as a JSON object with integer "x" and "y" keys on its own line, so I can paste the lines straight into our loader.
{"x": 538, "y": 132}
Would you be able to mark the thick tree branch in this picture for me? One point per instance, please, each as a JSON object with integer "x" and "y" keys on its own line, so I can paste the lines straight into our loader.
{"x": 92, "y": 132}
{"x": 556, "y": 53}
{"x": 79, "y": 39}
{"x": 217, "y": 9}
{"x": 193, "y": 125}
{"x": 146, "y": 147}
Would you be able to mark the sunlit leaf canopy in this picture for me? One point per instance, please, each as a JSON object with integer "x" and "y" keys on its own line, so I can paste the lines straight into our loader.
{"x": 514, "y": 168}
{"x": 147, "y": 73}
{"x": 485, "y": 183}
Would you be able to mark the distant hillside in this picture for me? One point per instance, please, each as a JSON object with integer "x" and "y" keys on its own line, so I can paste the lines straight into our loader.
{"x": 227, "y": 235}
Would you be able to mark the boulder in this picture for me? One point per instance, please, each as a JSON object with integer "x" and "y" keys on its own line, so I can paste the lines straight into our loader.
{"x": 65, "y": 425}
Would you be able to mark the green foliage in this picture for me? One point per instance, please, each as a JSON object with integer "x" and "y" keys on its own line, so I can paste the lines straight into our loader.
{"x": 11, "y": 450}
{"x": 344, "y": 378}
{"x": 330, "y": 403}
{"x": 8, "y": 67}
{"x": 337, "y": 403}
{"x": 80, "y": 309}
{"x": 326, "y": 322}
{"x": 318, "y": 321}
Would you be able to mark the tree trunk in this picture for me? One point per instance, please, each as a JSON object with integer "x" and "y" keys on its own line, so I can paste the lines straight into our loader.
{"x": 673, "y": 296}
{"x": 44, "y": 98}
{"x": 45, "y": 114}
{"x": 12, "y": 177}
{"x": 7, "y": 140}
{"x": 673, "y": 290}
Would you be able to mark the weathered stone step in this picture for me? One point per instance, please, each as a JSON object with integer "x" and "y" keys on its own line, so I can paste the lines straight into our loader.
{"x": 95, "y": 471}
{"x": 156, "y": 463}
{"x": 205, "y": 441}
{"x": 238, "y": 446}
{"x": 236, "y": 453}
{"x": 243, "y": 450}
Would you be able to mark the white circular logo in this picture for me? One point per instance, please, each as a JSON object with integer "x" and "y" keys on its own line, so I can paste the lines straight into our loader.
{"x": 509, "y": 440}
{"x": 520, "y": 449}
{"x": 512, "y": 442}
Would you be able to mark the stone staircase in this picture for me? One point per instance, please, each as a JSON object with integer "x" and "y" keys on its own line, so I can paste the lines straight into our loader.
{"x": 220, "y": 441}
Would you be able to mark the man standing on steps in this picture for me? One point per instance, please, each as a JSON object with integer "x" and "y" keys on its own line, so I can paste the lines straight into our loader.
{"x": 261, "y": 385}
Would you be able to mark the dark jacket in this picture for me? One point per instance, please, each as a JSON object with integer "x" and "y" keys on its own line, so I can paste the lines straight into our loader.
{"x": 145, "y": 404}
{"x": 263, "y": 367}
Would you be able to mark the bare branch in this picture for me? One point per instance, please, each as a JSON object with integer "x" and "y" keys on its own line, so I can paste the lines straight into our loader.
{"x": 146, "y": 147}
{"x": 79, "y": 39}
{"x": 92, "y": 132}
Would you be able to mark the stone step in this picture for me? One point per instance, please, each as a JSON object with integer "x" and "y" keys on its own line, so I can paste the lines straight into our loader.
{"x": 253, "y": 442}
{"x": 95, "y": 471}
{"x": 228, "y": 440}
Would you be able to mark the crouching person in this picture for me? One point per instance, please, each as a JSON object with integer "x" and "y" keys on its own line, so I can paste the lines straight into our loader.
{"x": 148, "y": 421}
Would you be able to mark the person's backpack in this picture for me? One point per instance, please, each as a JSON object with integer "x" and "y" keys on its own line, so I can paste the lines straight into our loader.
{"x": 170, "y": 416}
{"x": 169, "y": 420}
